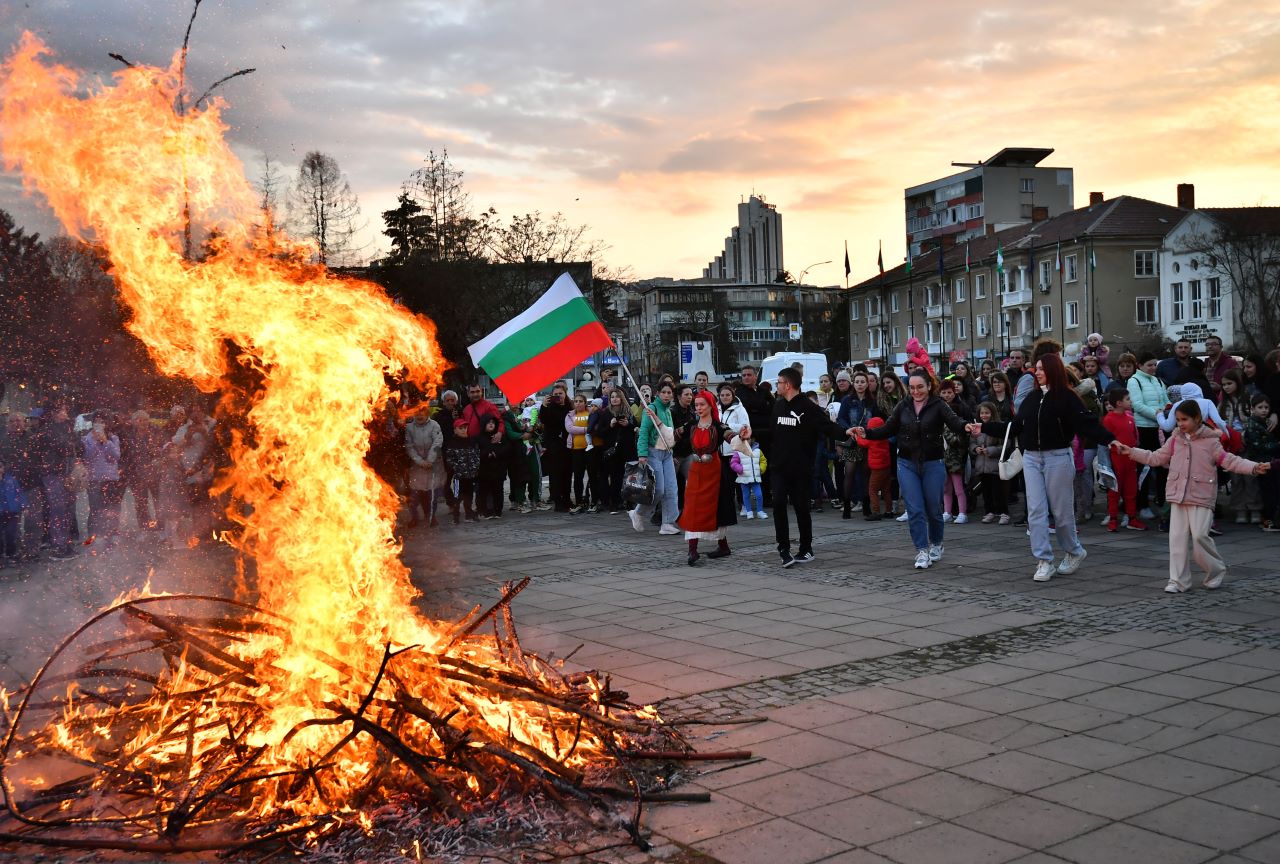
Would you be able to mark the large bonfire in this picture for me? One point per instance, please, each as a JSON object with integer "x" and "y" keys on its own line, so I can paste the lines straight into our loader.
{"x": 197, "y": 722}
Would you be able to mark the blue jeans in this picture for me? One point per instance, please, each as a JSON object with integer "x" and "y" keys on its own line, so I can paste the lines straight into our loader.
{"x": 1050, "y": 476}
{"x": 664, "y": 487}
{"x": 752, "y": 497}
{"x": 921, "y": 486}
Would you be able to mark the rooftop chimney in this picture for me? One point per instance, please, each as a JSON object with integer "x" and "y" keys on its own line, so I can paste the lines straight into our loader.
{"x": 1095, "y": 198}
{"x": 1187, "y": 196}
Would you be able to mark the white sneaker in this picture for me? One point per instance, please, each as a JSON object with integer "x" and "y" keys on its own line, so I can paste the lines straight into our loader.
{"x": 1255, "y": 517}
{"x": 922, "y": 560}
{"x": 1124, "y": 521}
{"x": 905, "y": 517}
{"x": 935, "y": 552}
{"x": 668, "y": 529}
{"x": 947, "y": 517}
{"x": 1044, "y": 571}
{"x": 988, "y": 519}
{"x": 1214, "y": 581}
{"x": 637, "y": 521}
{"x": 748, "y": 514}
{"x": 962, "y": 518}
{"x": 762, "y": 515}
{"x": 1242, "y": 518}
{"x": 1146, "y": 514}
{"x": 1004, "y": 519}
{"x": 1071, "y": 563}
{"x": 1173, "y": 588}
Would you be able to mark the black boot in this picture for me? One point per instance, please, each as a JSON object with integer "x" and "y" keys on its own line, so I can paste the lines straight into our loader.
{"x": 847, "y": 512}
{"x": 722, "y": 550}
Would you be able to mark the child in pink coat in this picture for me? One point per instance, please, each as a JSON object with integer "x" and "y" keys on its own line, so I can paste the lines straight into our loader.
{"x": 917, "y": 355}
{"x": 1193, "y": 454}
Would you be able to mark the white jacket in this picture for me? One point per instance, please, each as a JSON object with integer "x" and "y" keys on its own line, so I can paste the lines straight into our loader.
{"x": 735, "y": 417}
{"x": 750, "y": 467}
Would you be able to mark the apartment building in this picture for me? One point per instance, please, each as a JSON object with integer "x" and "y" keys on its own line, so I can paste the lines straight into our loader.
{"x": 1011, "y": 188}
{"x": 1089, "y": 270}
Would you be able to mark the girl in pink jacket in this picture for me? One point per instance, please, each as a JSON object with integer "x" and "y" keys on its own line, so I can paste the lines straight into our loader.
{"x": 1193, "y": 454}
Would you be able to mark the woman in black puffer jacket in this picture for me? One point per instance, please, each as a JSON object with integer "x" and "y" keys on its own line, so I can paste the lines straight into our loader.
{"x": 918, "y": 422}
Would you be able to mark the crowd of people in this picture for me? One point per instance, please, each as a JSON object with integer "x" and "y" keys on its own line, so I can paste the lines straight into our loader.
{"x": 920, "y": 447}
{"x": 924, "y": 448}
{"x": 49, "y": 462}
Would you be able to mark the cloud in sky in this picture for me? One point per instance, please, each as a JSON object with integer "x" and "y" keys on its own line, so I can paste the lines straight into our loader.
{"x": 650, "y": 121}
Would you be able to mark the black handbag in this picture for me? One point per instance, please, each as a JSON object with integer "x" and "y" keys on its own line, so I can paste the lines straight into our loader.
{"x": 638, "y": 484}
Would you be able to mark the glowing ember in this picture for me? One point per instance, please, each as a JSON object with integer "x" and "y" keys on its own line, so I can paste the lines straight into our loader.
{"x": 295, "y": 707}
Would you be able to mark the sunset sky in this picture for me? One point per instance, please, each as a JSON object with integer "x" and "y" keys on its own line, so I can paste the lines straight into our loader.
{"x": 650, "y": 120}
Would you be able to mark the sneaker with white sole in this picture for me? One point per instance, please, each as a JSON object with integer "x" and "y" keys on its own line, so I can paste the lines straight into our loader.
{"x": 962, "y": 518}
{"x": 988, "y": 519}
{"x": 1173, "y": 588}
{"x": 1071, "y": 563}
{"x": 747, "y": 514}
{"x": 787, "y": 560}
{"x": 1044, "y": 571}
{"x": 805, "y": 556}
{"x": 637, "y": 521}
{"x": 935, "y": 551}
{"x": 922, "y": 560}
{"x": 668, "y": 529}
{"x": 762, "y": 515}
{"x": 905, "y": 517}
{"x": 1004, "y": 519}
{"x": 1146, "y": 513}
{"x": 1215, "y": 581}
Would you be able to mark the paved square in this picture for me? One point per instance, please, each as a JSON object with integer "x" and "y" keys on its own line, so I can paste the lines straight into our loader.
{"x": 963, "y": 713}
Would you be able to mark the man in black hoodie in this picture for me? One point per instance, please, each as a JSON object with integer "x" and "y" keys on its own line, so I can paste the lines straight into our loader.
{"x": 797, "y": 425}
{"x": 555, "y": 457}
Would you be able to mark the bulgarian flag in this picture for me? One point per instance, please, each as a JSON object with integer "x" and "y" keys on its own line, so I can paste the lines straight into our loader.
{"x": 543, "y": 342}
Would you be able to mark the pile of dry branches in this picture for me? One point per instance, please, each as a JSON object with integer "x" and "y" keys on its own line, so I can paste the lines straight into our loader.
{"x": 136, "y": 735}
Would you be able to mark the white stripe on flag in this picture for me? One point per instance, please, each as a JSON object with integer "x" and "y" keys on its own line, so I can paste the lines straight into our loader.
{"x": 561, "y": 292}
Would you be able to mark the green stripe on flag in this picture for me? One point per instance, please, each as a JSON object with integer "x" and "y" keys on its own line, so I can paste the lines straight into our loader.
{"x": 541, "y": 335}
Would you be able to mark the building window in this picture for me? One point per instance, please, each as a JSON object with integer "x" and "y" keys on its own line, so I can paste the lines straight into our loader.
{"x": 854, "y": 346}
{"x": 1144, "y": 263}
{"x": 1197, "y": 301}
{"x": 1176, "y": 306}
{"x": 975, "y": 211}
{"x": 1073, "y": 314}
{"x": 962, "y": 328}
{"x": 980, "y": 286}
{"x": 874, "y": 339}
{"x": 1069, "y": 267}
{"x": 1046, "y": 274}
{"x": 1147, "y": 310}
{"x": 894, "y": 338}
{"x": 1027, "y": 184}
{"x": 934, "y": 330}
{"x": 893, "y": 301}
{"x": 1046, "y": 318}
{"x": 1215, "y": 298}
{"x": 854, "y": 308}
{"x": 873, "y": 306}
{"x": 957, "y": 290}
{"x": 911, "y": 332}
{"x": 980, "y": 325}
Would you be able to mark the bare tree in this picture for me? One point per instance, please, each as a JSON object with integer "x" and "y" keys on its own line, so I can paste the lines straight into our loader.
{"x": 268, "y": 186}
{"x": 455, "y": 234}
{"x": 1248, "y": 263}
{"x": 323, "y": 208}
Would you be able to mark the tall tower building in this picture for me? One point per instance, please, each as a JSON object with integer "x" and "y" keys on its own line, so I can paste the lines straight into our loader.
{"x": 753, "y": 250}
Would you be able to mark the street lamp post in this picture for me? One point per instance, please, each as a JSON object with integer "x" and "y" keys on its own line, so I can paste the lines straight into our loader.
{"x": 800, "y": 298}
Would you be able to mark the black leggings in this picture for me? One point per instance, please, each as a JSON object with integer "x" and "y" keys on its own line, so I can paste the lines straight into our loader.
{"x": 578, "y": 470}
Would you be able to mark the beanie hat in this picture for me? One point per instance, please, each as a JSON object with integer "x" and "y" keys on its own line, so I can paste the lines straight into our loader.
{"x": 843, "y": 375}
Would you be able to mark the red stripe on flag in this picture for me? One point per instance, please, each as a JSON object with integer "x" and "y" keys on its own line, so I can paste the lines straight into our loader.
{"x": 537, "y": 372}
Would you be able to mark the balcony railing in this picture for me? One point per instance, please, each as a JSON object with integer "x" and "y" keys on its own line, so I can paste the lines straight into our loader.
{"x": 939, "y": 310}
{"x": 934, "y": 347}
{"x": 875, "y": 320}
{"x": 1021, "y": 297}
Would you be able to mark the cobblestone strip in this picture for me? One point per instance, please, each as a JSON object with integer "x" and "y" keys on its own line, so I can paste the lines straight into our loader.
{"x": 905, "y": 665}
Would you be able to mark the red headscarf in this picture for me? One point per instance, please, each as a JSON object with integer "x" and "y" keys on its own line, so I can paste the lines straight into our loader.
{"x": 711, "y": 400}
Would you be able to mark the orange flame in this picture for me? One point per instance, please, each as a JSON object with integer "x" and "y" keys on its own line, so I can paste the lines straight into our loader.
{"x": 120, "y": 167}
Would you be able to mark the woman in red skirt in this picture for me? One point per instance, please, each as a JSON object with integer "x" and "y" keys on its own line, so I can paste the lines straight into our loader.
{"x": 710, "y": 499}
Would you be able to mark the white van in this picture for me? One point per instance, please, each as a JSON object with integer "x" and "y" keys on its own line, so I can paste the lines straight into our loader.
{"x": 815, "y": 366}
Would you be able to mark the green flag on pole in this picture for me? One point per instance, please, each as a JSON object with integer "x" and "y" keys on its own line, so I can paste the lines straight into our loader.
{"x": 999, "y": 258}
